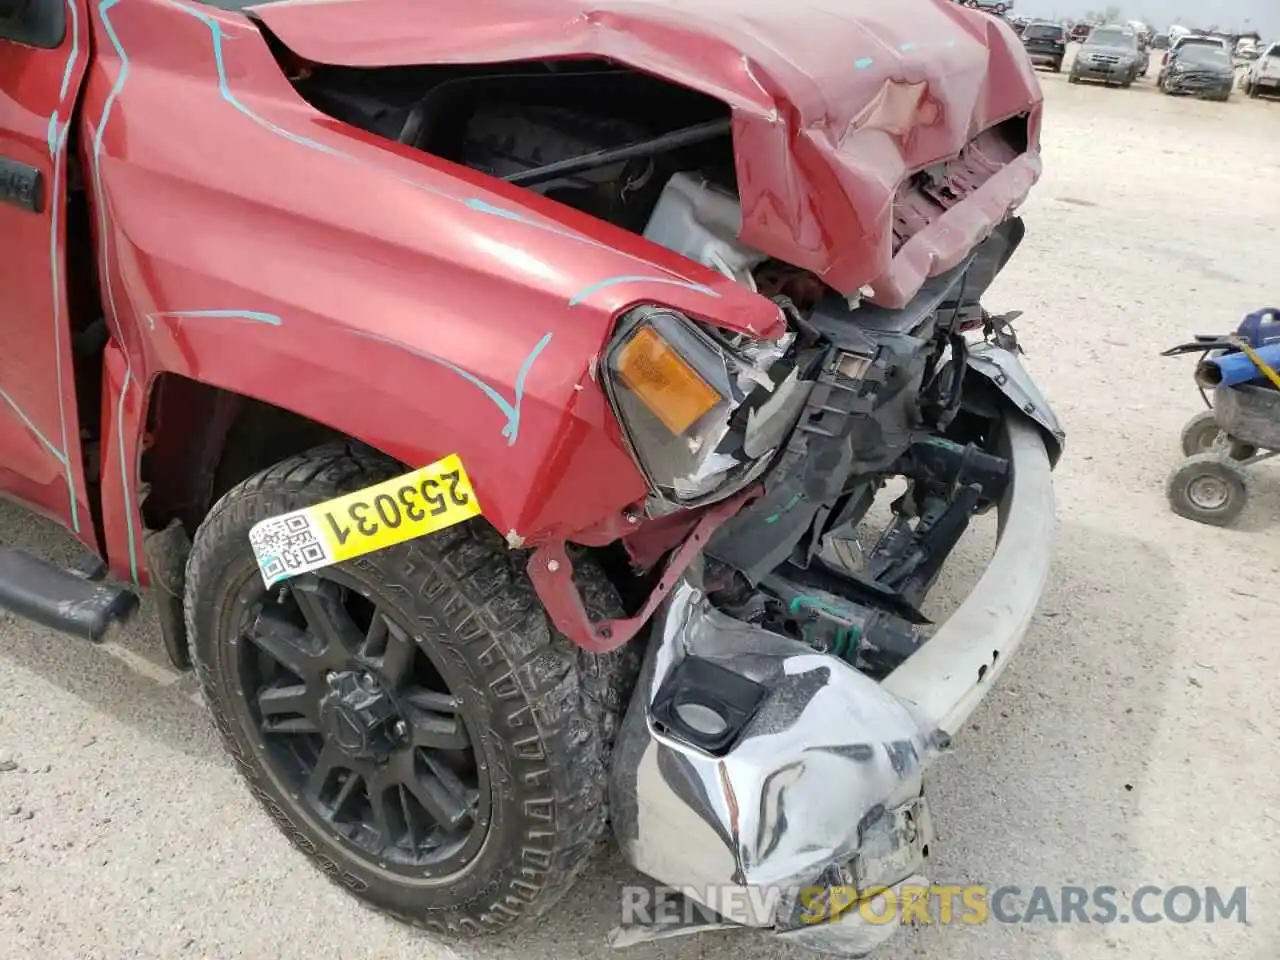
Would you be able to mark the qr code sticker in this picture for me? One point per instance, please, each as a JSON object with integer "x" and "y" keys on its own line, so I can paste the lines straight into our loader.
{"x": 286, "y": 546}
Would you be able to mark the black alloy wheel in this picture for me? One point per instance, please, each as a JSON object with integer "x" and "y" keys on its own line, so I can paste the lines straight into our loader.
{"x": 354, "y": 718}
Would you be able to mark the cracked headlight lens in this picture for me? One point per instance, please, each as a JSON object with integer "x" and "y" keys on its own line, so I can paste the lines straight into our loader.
{"x": 702, "y": 418}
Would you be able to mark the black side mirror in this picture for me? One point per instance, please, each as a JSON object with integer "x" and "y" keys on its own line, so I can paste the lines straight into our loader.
{"x": 13, "y": 10}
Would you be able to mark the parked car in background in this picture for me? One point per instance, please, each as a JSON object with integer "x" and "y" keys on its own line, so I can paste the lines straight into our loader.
{"x": 1201, "y": 69}
{"x": 1198, "y": 40}
{"x": 1248, "y": 48}
{"x": 1143, "y": 31}
{"x": 1160, "y": 41}
{"x": 990, "y": 6}
{"x": 1080, "y": 31}
{"x": 1112, "y": 54}
{"x": 1045, "y": 43}
{"x": 1263, "y": 76}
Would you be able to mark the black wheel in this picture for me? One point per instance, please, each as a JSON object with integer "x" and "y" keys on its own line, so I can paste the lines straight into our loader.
{"x": 1208, "y": 488}
{"x": 1057, "y": 66}
{"x": 1202, "y": 434}
{"x": 1073, "y": 78}
{"x": 408, "y": 718}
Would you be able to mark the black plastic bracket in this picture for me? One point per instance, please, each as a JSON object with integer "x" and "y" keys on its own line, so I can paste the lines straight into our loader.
{"x": 60, "y": 599}
{"x": 705, "y": 704}
{"x": 166, "y": 553}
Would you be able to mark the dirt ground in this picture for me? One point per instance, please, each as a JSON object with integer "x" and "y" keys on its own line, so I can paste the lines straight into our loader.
{"x": 1131, "y": 742}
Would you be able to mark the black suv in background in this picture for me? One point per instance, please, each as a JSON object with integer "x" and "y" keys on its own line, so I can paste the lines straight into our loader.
{"x": 1046, "y": 44}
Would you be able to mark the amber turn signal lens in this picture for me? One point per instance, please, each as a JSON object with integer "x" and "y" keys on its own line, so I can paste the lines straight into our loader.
{"x": 661, "y": 379}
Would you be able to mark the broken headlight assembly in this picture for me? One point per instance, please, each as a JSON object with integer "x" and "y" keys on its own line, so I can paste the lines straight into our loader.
{"x": 703, "y": 415}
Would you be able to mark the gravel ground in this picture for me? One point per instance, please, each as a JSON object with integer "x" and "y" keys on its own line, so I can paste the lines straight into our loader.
{"x": 1131, "y": 742}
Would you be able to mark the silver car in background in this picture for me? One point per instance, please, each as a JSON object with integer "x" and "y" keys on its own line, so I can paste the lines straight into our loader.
{"x": 1262, "y": 79}
{"x": 1112, "y": 54}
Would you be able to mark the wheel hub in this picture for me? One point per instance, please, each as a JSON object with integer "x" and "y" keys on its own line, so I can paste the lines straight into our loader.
{"x": 1208, "y": 493}
{"x": 360, "y": 717}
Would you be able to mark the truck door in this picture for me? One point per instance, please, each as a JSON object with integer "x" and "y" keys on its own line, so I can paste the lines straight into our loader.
{"x": 44, "y": 49}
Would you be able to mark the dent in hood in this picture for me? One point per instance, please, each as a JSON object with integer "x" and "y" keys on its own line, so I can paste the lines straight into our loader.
{"x": 834, "y": 104}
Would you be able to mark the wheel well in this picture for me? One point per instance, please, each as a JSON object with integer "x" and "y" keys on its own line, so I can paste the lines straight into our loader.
{"x": 203, "y": 440}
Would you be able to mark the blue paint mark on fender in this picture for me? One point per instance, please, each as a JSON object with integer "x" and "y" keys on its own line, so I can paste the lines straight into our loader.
{"x": 253, "y": 316}
{"x": 585, "y": 292}
{"x": 510, "y": 408}
{"x": 27, "y": 422}
{"x": 907, "y": 47}
{"x": 862, "y": 63}
{"x": 124, "y": 474}
{"x": 480, "y": 206}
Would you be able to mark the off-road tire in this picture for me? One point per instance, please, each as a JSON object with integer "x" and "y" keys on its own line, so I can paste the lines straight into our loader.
{"x": 549, "y": 710}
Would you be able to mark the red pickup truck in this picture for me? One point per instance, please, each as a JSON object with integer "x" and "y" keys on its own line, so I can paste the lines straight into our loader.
{"x": 493, "y": 397}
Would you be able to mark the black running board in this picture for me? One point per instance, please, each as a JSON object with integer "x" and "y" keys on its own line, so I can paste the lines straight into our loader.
{"x": 58, "y": 598}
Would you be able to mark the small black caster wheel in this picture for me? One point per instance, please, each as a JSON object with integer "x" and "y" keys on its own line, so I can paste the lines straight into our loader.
{"x": 1208, "y": 488}
{"x": 1202, "y": 434}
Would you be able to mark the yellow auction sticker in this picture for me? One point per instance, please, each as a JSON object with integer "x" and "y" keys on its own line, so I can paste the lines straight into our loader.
{"x": 430, "y": 499}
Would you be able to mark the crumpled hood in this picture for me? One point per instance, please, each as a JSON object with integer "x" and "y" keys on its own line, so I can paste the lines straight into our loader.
{"x": 834, "y": 102}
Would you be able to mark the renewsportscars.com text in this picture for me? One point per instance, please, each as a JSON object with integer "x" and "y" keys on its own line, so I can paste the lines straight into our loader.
{"x": 975, "y": 904}
{"x": 968, "y": 904}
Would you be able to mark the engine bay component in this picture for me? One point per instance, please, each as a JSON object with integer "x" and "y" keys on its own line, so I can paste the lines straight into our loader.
{"x": 701, "y": 221}
{"x": 868, "y": 638}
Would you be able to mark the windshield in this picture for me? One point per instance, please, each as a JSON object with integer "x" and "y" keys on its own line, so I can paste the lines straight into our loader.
{"x": 1273, "y": 51}
{"x": 1043, "y": 31}
{"x": 1204, "y": 54}
{"x": 1111, "y": 38}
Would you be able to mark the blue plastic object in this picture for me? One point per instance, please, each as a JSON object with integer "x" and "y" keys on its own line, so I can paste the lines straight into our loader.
{"x": 1231, "y": 369}
{"x": 1260, "y": 328}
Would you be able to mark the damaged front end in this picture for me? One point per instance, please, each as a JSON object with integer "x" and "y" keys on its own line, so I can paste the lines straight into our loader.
{"x": 794, "y": 689}
{"x": 861, "y": 180}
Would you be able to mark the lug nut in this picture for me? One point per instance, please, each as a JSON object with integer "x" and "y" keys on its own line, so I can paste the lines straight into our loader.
{"x": 400, "y": 729}
{"x": 330, "y": 677}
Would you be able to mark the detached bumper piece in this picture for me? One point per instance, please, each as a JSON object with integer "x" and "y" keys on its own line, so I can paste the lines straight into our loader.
{"x": 754, "y": 772}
